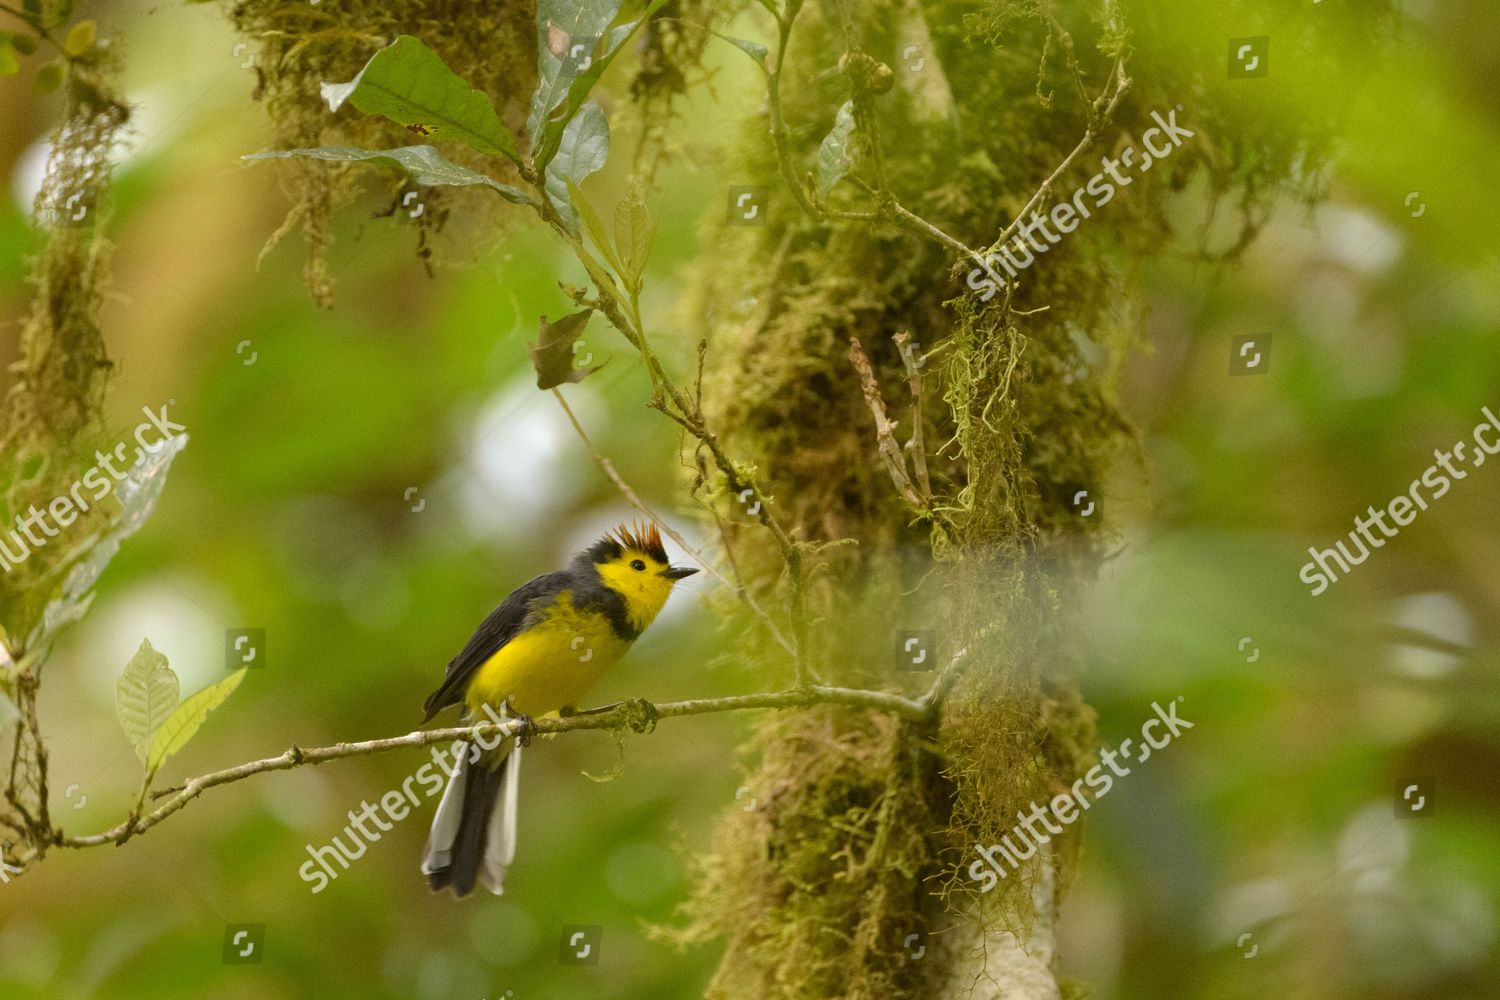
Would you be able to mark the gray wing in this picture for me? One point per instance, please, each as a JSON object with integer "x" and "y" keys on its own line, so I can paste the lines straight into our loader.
{"x": 513, "y": 615}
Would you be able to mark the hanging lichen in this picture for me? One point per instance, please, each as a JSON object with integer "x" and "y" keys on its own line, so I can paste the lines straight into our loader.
{"x": 58, "y": 381}
{"x": 298, "y": 46}
{"x": 57, "y": 384}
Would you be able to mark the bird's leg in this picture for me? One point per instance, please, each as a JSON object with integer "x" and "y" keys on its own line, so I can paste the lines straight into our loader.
{"x": 525, "y": 726}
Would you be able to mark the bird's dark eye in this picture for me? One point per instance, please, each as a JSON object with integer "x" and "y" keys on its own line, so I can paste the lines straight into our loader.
{"x": 637, "y": 565}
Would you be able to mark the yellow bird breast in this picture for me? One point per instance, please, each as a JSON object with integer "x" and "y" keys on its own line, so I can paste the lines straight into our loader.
{"x": 551, "y": 665}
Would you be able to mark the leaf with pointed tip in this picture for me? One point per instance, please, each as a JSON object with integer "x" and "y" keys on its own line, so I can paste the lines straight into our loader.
{"x": 411, "y": 85}
{"x": 571, "y": 35}
{"x": 584, "y": 149}
{"x": 424, "y": 164}
{"x": 634, "y": 232}
{"x": 594, "y": 225}
{"x": 834, "y": 156}
{"x": 754, "y": 50}
{"x": 184, "y": 722}
{"x": 137, "y": 494}
{"x": 145, "y": 695}
{"x": 553, "y": 110}
{"x": 552, "y": 354}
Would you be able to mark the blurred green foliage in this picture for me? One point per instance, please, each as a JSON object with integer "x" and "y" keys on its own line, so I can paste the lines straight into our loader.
{"x": 290, "y": 510}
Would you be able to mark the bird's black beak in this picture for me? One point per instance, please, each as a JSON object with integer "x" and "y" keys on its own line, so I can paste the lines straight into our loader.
{"x": 678, "y": 572}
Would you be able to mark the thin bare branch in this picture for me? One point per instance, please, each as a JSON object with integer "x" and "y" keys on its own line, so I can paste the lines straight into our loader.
{"x": 1098, "y": 118}
{"x": 636, "y": 714}
{"x": 624, "y": 313}
{"x": 890, "y": 451}
{"x": 635, "y": 501}
{"x": 916, "y": 446}
{"x": 781, "y": 136}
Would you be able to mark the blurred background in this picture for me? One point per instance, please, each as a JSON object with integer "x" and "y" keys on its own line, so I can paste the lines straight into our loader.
{"x": 365, "y": 483}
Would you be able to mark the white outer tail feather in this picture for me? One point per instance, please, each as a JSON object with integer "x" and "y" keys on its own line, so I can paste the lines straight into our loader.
{"x": 438, "y": 854}
{"x": 500, "y": 839}
{"x": 500, "y": 835}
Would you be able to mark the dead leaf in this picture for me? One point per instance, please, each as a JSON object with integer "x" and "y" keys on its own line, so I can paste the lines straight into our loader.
{"x": 554, "y": 354}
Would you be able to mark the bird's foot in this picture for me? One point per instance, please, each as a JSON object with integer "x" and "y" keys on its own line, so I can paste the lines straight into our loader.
{"x": 525, "y": 729}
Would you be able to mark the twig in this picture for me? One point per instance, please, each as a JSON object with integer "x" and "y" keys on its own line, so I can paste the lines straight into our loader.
{"x": 1097, "y": 120}
{"x": 1069, "y": 57}
{"x": 914, "y": 382}
{"x": 890, "y": 451}
{"x": 780, "y": 134}
{"x": 635, "y": 501}
{"x": 921, "y": 226}
{"x": 624, "y": 313}
{"x": 943, "y": 683}
{"x": 621, "y": 716}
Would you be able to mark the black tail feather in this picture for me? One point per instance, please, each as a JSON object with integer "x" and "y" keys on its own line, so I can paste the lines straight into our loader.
{"x": 481, "y": 792}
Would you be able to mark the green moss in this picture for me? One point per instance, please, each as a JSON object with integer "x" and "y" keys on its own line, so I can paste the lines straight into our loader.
{"x": 832, "y": 884}
{"x": 300, "y": 45}
{"x": 59, "y": 380}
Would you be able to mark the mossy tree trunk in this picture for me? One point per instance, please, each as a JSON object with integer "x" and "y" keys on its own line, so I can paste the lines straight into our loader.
{"x": 968, "y": 115}
{"x": 49, "y": 418}
{"x": 846, "y": 879}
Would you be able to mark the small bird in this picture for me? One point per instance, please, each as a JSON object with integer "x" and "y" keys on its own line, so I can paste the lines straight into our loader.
{"x": 539, "y": 652}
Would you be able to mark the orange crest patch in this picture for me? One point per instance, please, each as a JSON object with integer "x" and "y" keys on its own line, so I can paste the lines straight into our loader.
{"x": 642, "y": 538}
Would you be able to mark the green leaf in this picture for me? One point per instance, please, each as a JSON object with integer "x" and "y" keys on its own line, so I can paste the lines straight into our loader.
{"x": 634, "y": 232}
{"x": 80, "y": 38}
{"x": 137, "y": 494}
{"x": 560, "y": 94}
{"x": 583, "y": 150}
{"x": 593, "y": 225}
{"x": 145, "y": 696}
{"x": 834, "y": 155}
{"x": 570, "y": 35}
{"x": 754, "y": 50}
{"x": 9, "y": 64}
{"x": 50, "y": 77}
{"x": 183, "y": 724}
{"x": 23, "y": 43}
{"x": 425, "y": 164}
{"x": 552, "y": 354}
{"x": 411, "y": 85}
